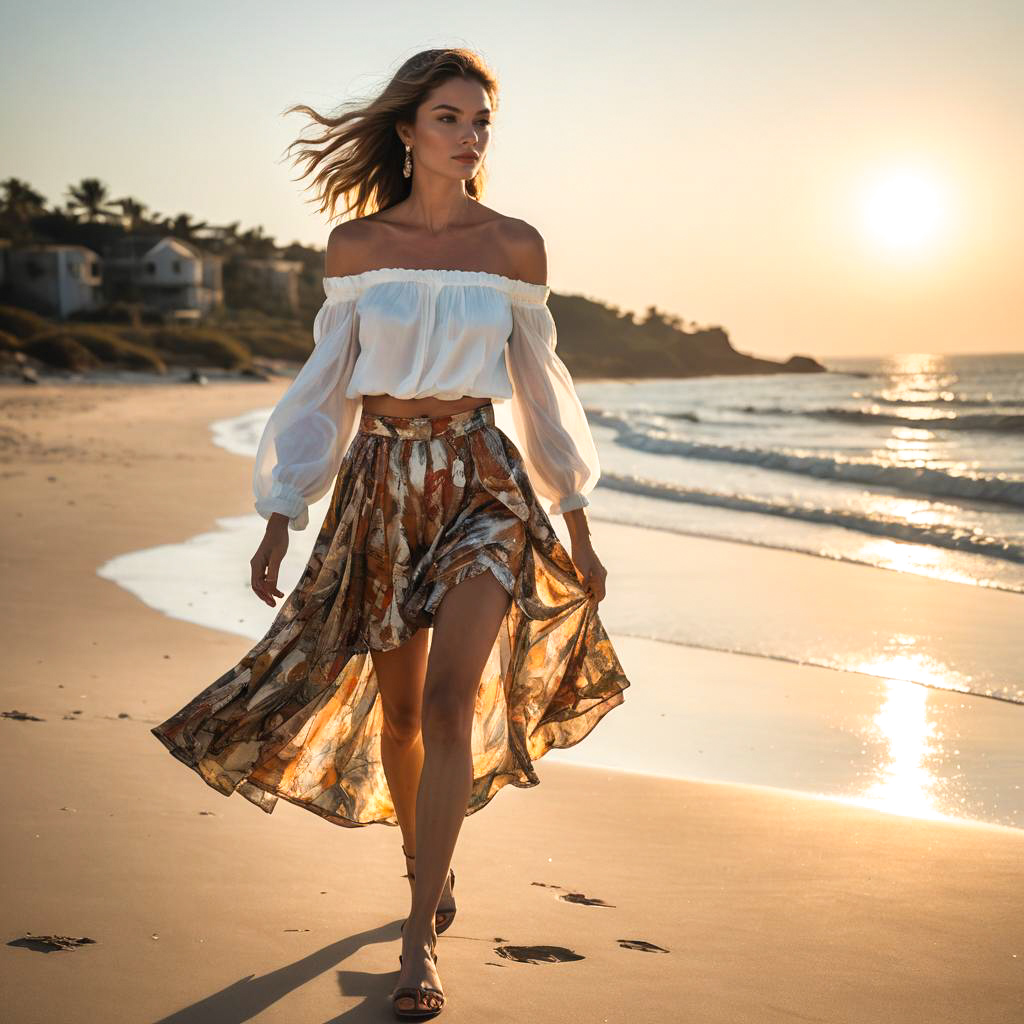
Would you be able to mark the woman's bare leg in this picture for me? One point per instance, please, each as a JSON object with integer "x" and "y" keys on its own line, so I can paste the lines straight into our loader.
{"x": 401, "y": 673}
{"x": 465, "y": 625}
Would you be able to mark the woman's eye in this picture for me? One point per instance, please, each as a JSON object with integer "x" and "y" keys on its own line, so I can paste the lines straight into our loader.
{"x": 482, "y": 121}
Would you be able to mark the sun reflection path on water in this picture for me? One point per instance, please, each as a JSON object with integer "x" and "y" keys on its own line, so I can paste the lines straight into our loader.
{"x": 906, "y": 777}
{"x": 915, "y": 769}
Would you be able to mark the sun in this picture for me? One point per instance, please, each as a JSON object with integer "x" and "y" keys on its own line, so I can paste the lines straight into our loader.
{"x": 905, "y": 210}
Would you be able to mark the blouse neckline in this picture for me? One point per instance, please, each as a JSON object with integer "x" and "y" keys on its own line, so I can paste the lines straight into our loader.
{"x": 351, "y": 285}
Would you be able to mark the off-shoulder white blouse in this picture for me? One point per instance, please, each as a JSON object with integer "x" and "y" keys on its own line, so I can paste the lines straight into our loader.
{"x": 418, "y": 333}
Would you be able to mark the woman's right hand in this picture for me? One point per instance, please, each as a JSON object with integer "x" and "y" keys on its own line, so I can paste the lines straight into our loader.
{"x": 267, "y": 559}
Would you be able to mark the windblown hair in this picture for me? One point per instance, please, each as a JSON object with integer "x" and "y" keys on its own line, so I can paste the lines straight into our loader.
{"x": 359, "y": 153}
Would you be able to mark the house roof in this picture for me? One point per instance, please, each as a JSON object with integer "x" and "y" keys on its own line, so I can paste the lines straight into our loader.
{"x": 138, "y": 247}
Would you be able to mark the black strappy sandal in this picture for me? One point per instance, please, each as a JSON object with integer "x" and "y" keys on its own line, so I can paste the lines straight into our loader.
{"x": 442, "y": 918}
{"x": 417, "y": 992}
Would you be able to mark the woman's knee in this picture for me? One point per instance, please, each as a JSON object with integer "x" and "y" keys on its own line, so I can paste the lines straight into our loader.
{"x": 447, "y": 715}
{"x": 400, "y": 673}
{"x": 402, "y": 723}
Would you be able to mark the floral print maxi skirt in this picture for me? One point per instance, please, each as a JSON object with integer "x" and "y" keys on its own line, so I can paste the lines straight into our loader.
{"x": 420, "y": 503}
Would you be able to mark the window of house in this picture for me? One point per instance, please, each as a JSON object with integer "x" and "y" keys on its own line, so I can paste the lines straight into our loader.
{"x": 177, "y": 266}
{"x": 150, "y": 268}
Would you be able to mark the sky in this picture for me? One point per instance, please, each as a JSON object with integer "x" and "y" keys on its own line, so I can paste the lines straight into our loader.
{"x": 828, "y": 179}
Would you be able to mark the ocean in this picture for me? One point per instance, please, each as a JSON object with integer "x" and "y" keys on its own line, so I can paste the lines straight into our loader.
{"x": 913, "y": 463}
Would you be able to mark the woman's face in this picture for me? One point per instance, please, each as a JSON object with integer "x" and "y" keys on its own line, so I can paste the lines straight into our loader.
{"x": 454, "y": 121}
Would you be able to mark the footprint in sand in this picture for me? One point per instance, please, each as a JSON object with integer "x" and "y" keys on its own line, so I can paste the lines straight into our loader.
{"x": 50, "y": 943}
{"x": 575, "y": 897}
{"x": 538, "y": 954}
{"x": 587, "y": 901}
{"x": 645, "y": 947}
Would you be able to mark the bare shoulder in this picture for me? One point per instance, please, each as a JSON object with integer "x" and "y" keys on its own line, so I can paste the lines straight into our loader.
{"x": 346, "y": 248}
{"x": 526, "y": 251}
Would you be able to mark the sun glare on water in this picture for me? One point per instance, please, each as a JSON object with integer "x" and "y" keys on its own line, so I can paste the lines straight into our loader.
{"x": 905, "y": 210}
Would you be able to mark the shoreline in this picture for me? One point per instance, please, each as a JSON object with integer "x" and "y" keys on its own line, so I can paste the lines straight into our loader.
{"x": 985, "y": 562}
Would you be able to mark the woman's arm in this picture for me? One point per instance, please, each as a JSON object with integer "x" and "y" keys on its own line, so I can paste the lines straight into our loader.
{"x": 558, "y": 447}
{"x": 312, "y": 424}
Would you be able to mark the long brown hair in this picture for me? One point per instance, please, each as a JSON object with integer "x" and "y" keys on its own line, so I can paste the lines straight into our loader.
{"x": 359, "y": 153}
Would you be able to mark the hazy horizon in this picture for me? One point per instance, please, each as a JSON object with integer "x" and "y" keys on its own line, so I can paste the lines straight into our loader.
{"x": 832, "y": 183}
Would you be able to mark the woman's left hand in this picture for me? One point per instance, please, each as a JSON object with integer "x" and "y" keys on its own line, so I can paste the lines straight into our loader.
{"x": 594, "y": 574}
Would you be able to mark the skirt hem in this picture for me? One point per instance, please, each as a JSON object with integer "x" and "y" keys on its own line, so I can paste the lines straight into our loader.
{"x": 528, "y": 778}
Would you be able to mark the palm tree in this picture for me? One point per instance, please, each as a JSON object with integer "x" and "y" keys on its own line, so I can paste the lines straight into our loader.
{"x": 20, "y": 203}
{"x": 91, "y": 196}
{"x": 183, "y": 227}
{"x": 131, "y": 212}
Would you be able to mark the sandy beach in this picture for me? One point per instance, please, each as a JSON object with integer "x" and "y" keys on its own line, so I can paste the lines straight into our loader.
{"x": 646, "y": 898}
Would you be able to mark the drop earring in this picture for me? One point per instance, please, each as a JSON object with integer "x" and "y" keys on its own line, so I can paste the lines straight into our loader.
{"x": 407, "y": 166}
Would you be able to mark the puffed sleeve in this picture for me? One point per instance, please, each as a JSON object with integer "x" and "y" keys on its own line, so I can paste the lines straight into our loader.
{"x": 311, "y": 426}
{"x": 557, "y": 445}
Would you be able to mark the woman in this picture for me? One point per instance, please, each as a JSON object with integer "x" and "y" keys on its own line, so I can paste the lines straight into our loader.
{"x": 401, "y": 682}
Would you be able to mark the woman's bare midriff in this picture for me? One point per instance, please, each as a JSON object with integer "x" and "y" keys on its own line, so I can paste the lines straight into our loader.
{"x": 388, "y": 405}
